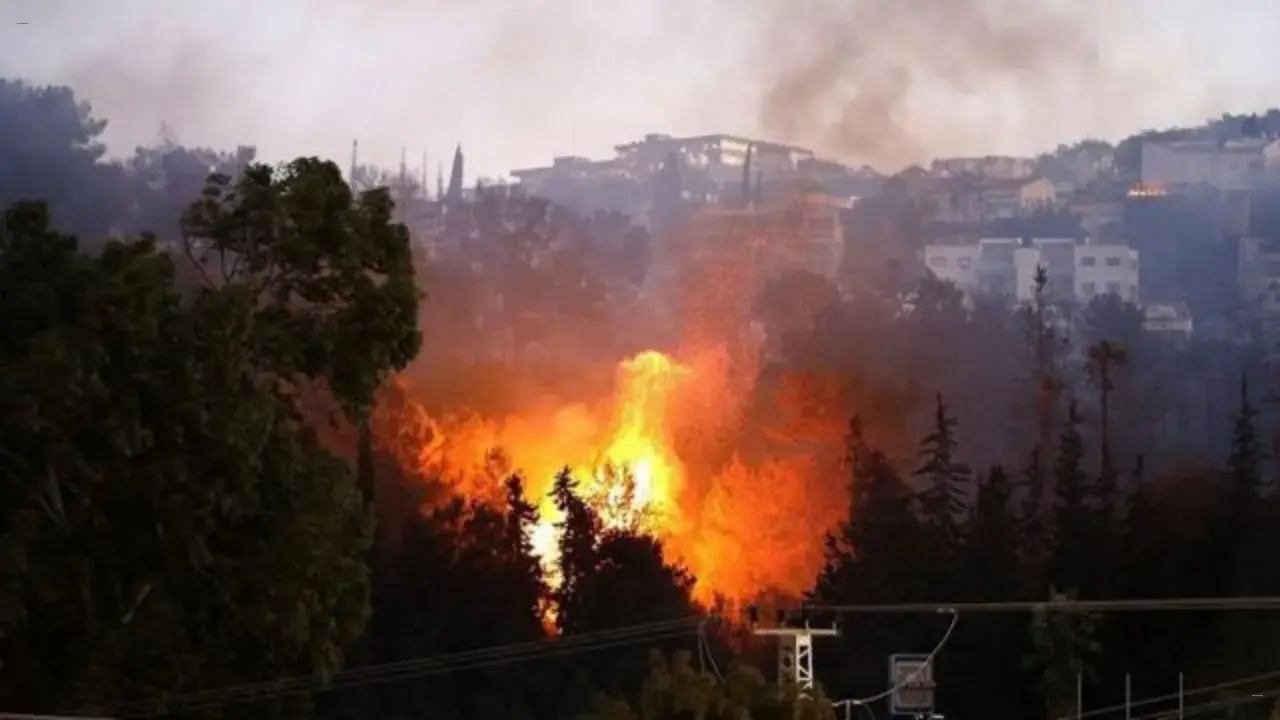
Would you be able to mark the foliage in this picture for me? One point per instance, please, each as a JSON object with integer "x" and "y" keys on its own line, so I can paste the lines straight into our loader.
{"x": 50, "y": 151}
{"x": 944, "y": 496}
{"x": 169, "y": 525}
{"x": 675, "y": 689}
{"x": 328, "y": 272}
{"x": 1064, "y": 648}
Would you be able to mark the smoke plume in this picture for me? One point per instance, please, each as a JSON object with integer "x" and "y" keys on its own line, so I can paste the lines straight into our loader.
{"x": 891, "y": 83}
{"x": 887, "y": 82}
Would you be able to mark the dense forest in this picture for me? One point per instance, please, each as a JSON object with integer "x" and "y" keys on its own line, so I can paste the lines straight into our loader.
{"x": 208, "y": 510}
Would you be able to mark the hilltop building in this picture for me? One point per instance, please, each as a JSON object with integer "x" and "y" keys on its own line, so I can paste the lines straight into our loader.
{"x": 1233, "y": 165}
{"x": 711, "y": 169}
{"x": 1077, "y": 272}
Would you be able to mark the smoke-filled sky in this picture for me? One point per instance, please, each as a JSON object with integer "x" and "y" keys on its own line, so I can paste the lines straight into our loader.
{"x": 889, "y": 82}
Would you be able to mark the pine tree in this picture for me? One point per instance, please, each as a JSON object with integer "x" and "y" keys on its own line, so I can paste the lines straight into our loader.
{"x": 1043, "y": 346}
{"x": 993, "y": 538}
{"x": 988, "y": 649}
{"x": 1033, "y": 531}
{"x": 1105, "y": 359}
{"x": 579, "y": 551}
{"x": 864, "y": 554}
{"x": 1244, "y": 464}
{"x": 521, "y": 518}
{"x": 454, "y": 193}
{"x": 946, "y": 480}
{"x": 1072, "y": 523}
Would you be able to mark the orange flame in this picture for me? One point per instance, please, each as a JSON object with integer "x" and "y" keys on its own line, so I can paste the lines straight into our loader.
{"x": 742, "y": 523}
{"x": 636, "y": 482}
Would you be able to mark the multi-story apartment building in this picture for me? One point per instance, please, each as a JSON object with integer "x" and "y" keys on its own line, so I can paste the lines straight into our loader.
{"x": 804, "y": 233}
{"x": 971, "y": 199}
{"x": 713, "y": 167}
{"x": 1106, "y": 270}
{"x": 1259, "y": 286}
{"x": 995, "y": 167}
{"x": 1234, "y": 165}
{"x": 1007, "y": 266}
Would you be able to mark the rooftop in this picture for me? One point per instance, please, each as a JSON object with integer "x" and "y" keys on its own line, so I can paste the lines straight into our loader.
{"x": 659, "y": 140}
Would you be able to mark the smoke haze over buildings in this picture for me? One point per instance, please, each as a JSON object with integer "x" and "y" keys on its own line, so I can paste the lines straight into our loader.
{"x": 888, "y": 83}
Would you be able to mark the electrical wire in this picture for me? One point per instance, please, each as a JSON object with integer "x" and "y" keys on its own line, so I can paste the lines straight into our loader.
{"x": 1170, "y": 697}
{"x": 928, "y": 660}
{"x": 22, "y": 716}
{"x": 419, "y": 667}
{"x": 704, "y": 651}
{"x": 486, "y": 657}
{"x": 1210, "y": 706}
{"x": 849, "y": 705}
{"x": 437, "y": 664}
{"x": 1064, "y": 606}
{"x": 304, "y": 690}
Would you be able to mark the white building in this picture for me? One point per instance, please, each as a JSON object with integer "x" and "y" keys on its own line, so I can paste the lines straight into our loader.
{"x": 1008, "y": 266}
{"x": 990, "y": 166}
{"x": 1231, "y": 165}
{"x": 1168, "y": 319}
{"x": 1106, "y": 270}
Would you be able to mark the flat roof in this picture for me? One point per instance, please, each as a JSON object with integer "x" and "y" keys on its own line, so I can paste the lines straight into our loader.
{"x": 667, "y": 141}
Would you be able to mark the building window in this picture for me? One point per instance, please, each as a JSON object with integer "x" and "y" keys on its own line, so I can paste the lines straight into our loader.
{"x": 1113, "y": 262}
{"x": 1113, "y": 288}
{"x": 1088, "y": 288}
{"x": 1088, "y": 261}
{"x": 938, "y": 262}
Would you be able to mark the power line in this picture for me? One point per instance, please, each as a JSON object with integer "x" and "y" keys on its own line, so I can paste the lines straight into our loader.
{"x": 21, "y": 716}
{"x": 1063, "y": 606}
{"x": 415, "y": 668}
{"x": 1211, "y": 706}
{"x": 1171, "y": 697}
{"x": 910, "y": 679}
{"x": 648, "y": 632}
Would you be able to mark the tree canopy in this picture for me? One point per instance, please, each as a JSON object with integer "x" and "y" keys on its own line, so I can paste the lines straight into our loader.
{"x": 127, "y": 396}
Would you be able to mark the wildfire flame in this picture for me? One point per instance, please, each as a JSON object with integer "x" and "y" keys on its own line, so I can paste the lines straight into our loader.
{"x": 665, "y": 451}
{"x": 747, "y": 527}
{"x": 636, "y": 482}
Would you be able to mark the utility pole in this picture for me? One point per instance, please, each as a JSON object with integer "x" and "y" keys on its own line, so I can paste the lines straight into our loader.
{"x": 795, "y": 646}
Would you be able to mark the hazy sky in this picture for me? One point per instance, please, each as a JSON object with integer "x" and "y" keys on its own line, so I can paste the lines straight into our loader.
{"x": 518, "y": 81}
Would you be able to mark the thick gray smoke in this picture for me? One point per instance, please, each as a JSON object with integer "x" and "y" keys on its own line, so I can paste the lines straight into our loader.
{"x": 893, "y": 82}
{"x": 888, "y": 82}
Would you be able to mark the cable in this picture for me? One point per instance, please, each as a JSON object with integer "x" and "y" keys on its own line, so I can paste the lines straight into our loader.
{"x": 304, "y": 689}
{"x": 704, "y": 650}
{"x": 928, "y": 660}
{"x": 1273, "y": 675}
{"x": 419, "y": 667}
{"x": 1065, "y": 606}
{"x": 481, "y": 657}
{"x": 1210, "y": 706}
{"x": 21, "y": 716}
{"x": 848, "y": 706}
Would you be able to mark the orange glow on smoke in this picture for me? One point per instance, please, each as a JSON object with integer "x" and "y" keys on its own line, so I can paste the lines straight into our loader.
{"x": 744, "y": 528}
{"x": 662, "y": 451}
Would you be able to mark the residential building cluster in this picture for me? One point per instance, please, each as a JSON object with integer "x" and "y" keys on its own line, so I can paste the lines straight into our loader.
{"x": 1077, "y": 270}
{"x": 1178, "y": 227}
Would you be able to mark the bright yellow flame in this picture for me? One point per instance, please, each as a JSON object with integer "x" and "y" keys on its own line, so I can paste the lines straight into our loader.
{"x": 636, "y": 481}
